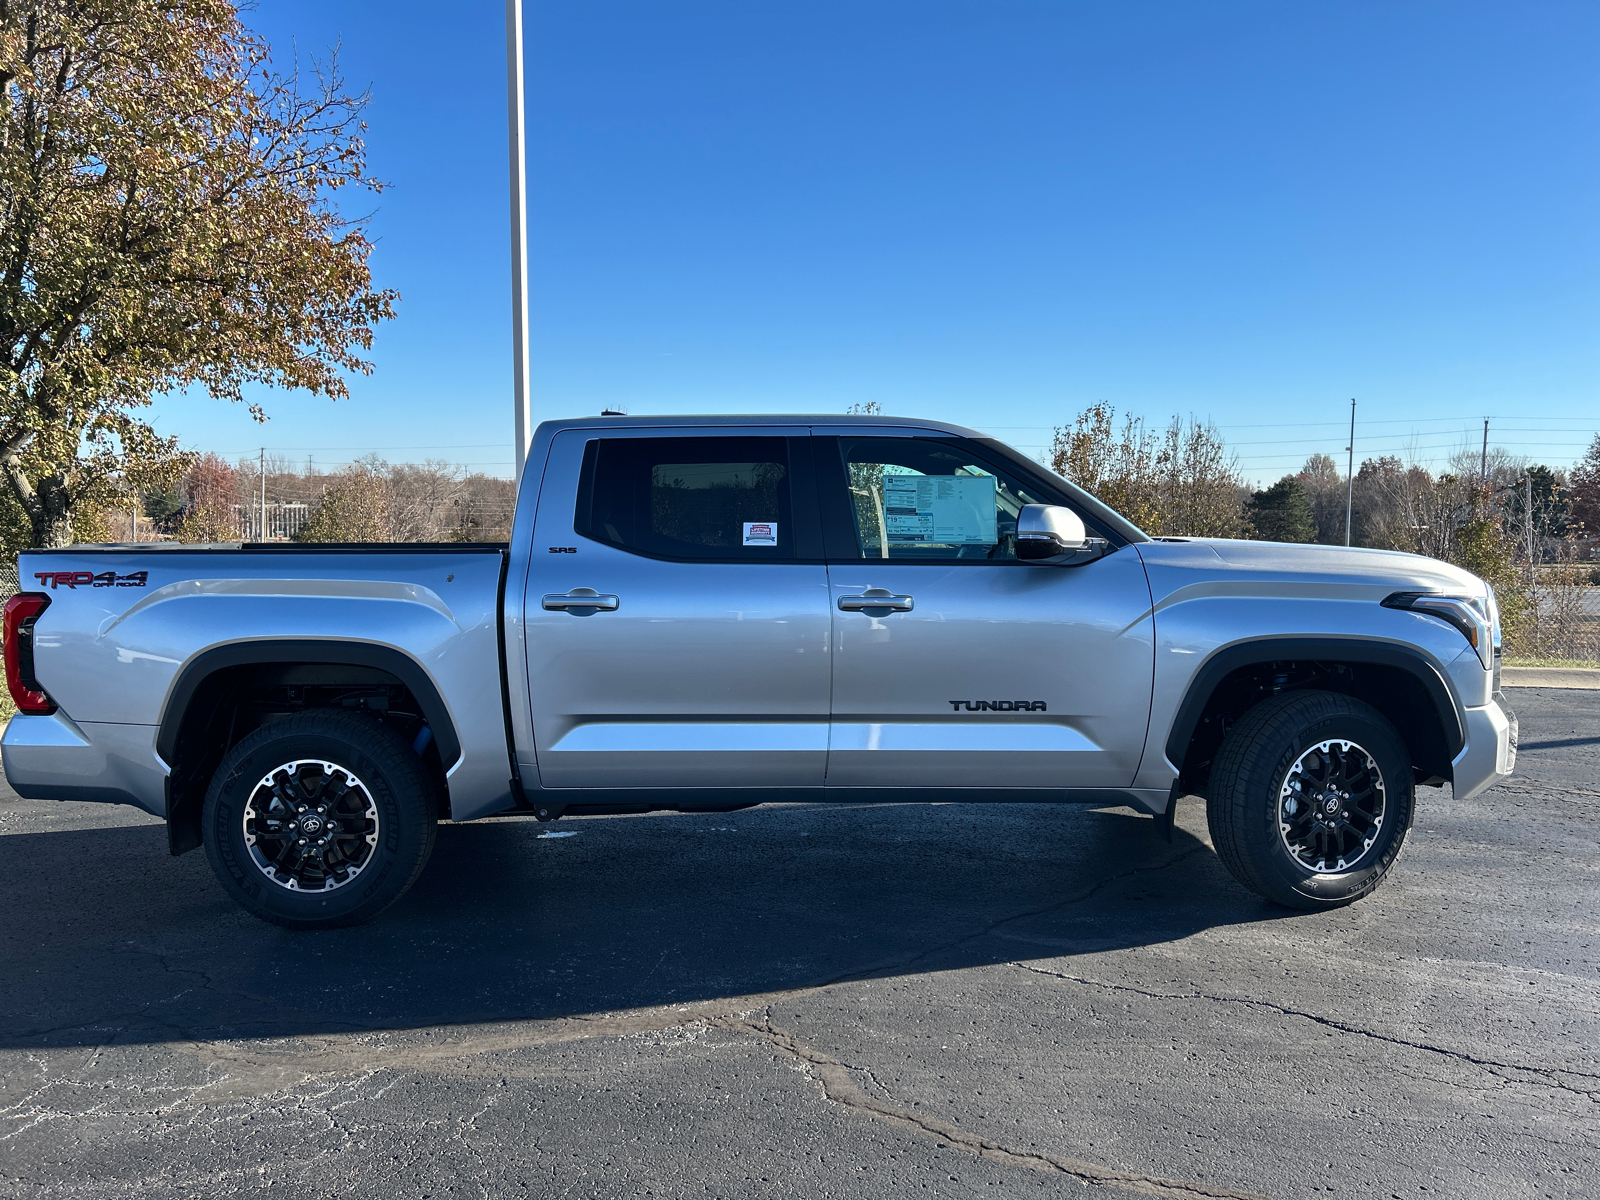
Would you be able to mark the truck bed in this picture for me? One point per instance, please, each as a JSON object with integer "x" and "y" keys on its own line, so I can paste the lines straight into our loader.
{"x": 133, "y": 631}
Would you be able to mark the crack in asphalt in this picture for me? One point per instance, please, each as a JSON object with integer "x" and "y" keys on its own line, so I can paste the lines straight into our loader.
{"x": 1533, "y": 787}
{"x": 1543, "y": 1075}
{"x": 838, "y": 1086}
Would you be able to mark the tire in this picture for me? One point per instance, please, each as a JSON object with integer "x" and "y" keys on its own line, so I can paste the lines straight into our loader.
{"x": 310, "y": 867}
{"x": 1274, "y": 787}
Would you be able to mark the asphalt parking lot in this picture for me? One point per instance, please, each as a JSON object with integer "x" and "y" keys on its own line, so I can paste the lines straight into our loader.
{"x": 945, "y": 1000}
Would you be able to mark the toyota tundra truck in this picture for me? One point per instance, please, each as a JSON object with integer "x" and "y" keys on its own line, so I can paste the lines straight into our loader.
{"x": 701, "y": 614}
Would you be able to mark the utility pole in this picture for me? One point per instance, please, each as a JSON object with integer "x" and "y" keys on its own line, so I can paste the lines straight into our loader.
{"x": 1350, "y": 473}
{"x": 1527, "y": 508}
{"x": 261, "y": 529}
{"x": 133, "y": 518}
{"x": 1483, "y": 465}
{"x": 519, "y": 233}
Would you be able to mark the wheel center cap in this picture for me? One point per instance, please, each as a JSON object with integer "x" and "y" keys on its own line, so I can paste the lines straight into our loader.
{"x": 1331, "y": 805}
{"x": 311, "y": 824}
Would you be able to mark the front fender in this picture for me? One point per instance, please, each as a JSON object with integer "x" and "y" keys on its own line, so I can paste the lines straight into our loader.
{"x": 1202, "y": 638}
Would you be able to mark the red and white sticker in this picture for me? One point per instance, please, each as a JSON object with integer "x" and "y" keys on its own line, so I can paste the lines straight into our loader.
{"x": 760, "y": 533}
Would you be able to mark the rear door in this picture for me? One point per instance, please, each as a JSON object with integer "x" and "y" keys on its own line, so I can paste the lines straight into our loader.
{"x": 972, "y": 669}
{"x": 677, "y": 611}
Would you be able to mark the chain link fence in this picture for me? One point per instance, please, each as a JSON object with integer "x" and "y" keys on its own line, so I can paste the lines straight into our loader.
{"x": 1565, "y": 624}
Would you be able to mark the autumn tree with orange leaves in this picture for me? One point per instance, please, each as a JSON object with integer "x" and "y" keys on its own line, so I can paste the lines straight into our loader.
{"x": 166, "y": 221}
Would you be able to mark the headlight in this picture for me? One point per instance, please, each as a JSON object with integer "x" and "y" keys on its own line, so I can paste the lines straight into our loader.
{"x": 1475, "y": 616}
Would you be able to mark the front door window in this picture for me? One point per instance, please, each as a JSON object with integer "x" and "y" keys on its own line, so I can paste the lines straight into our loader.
{"x": 934, "y": 501}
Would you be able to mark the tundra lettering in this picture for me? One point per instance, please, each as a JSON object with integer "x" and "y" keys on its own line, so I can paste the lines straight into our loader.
{"x": 999, "y": 705}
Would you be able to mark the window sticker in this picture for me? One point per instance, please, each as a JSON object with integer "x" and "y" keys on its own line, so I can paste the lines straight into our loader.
{"x": 944, "y": 510}
{"x": 760, "y": 533}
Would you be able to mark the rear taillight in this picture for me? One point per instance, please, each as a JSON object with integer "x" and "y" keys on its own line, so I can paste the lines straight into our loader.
{"x": 21, "y": 612}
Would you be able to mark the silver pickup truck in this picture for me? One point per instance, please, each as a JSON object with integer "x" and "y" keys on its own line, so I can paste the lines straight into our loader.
{"x": 706, "y": 613}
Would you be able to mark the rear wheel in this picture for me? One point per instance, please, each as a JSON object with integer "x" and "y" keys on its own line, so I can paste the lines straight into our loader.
{"x": 323, "y": 818}
{"x": 1311, "y": 798}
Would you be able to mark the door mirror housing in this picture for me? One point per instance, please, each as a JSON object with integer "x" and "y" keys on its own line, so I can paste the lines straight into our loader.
{"x": 1055, "y": 536}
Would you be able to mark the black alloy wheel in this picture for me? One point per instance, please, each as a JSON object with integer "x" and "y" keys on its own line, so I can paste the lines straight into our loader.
{"x": 319, "y": 819}
{"x": 311, "y": 825}
{"x": 1331, "y": 806}
{"x": 1310, "y": 799}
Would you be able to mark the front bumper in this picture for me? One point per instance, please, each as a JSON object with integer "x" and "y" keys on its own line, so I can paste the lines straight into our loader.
{"x": 1490, "y": 754}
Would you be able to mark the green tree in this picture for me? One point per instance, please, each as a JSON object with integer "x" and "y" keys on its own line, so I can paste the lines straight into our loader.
{"x": 1325, "y": 490}
{"x": 1484, "y": 546}
{"x": 1283, "y": 512}
{"x": 356, "y": 509}
{"x": 166, "y": 221}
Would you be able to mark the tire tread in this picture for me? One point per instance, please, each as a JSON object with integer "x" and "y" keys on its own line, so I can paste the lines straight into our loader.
{"x": 1261, "y": 735}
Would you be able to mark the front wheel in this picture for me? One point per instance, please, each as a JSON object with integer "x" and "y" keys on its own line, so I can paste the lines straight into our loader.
{"x": 1310, "y": 800}
{"x": 322, "y": 818}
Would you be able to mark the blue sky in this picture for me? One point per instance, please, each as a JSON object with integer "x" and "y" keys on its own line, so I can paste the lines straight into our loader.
{"x": 993, "y": 212}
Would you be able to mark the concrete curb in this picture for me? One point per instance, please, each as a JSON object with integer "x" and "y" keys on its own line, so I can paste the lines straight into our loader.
{"x": 1551, "y": 677}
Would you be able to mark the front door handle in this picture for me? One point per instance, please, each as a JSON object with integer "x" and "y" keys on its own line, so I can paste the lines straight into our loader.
{"x": 581, "y": 602}
{"x": 876, "y": 602}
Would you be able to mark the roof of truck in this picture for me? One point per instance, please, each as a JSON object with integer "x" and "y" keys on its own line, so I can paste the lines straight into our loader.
{"x": 757, "y": 419}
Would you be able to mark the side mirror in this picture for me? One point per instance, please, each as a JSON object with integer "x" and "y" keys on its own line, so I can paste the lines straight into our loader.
{"x": 1051, "y": 534}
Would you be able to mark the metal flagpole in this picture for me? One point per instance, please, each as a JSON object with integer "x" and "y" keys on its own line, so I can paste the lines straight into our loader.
{"x": 1350, "y": 473}
{"x": 519, "y": 232}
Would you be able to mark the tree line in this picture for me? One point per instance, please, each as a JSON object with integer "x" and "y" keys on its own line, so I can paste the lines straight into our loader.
{"x": 1181, "y": 481}
{"x": 367, "y": 501}
{"x": 1529, "y": 529}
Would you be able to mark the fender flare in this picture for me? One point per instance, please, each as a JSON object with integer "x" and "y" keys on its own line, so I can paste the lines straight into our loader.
{"x": 321, "y": 651}
{"x": 1358, "y": 650}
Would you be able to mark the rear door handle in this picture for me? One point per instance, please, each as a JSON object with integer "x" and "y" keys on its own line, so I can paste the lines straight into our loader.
{"x": 876, "y": 602}
{"x": 581, "y": 601}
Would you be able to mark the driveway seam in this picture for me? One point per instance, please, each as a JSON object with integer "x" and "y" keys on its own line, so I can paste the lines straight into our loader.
{"x": 1544, "y": 1075}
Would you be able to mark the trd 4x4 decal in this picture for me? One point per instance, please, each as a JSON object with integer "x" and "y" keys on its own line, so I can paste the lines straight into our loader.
{"x": 998, "y": 705}
{"x": 77, "y": 579}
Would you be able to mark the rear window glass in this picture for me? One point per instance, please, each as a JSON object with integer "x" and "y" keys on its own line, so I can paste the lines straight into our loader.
{"x": 708, "y": 498}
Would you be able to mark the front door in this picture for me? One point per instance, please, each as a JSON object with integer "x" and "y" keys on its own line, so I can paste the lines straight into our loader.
{"x": 973, "y": 669}
{"x": 677, "y": 612}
